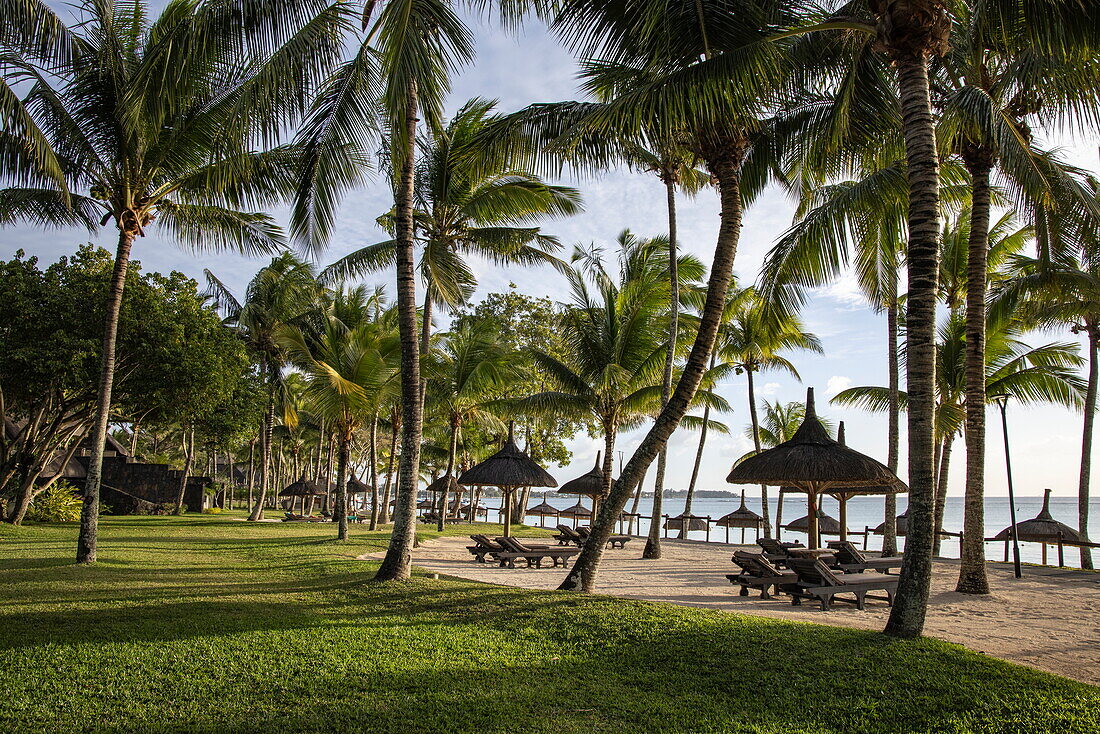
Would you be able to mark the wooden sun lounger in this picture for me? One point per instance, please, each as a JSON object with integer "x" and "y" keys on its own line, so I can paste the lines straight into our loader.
{"x": 615, "y": 541}
{"x": 484, "y": 546}
{"x": 568, "y": 536}
{"x": 757, "y": 572}
{"x": 533, "y": 556}
{"x": 852, "y": 560}
{"x": 776, "y": 550}
{"x": 818, "y": 581}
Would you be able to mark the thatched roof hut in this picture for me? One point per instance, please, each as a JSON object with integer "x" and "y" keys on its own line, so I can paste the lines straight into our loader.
{"x": 901, "y": 523}
{"x": 1043, "y": 528}
{"x": 576, "y": 512}
{"x": 742, "y": 518}
{"x": 589, "y": 484}
{"x": 508, "y": 469}
{"x": 693, "y": 522}
{"x": 355, "y": 486}
{"x": 813, "y": 463}
{"x": 303, "y": 488}
{"x": 426, "y": 504}
{"x": 543, "y": 509}
{"x": 446, "y": 482}
{"x": 826, "y": 525}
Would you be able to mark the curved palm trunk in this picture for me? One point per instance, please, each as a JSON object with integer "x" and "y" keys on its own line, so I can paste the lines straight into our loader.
{"x": 890, "y": 531}
{"x": 89, "y": 513}
{"x": 941, "y": 490}
{"x": 374, "y": 472}
{"x": 397, "y": 564}
{"x": 340, "y": 508}
{"x": 266, "y": 432}
{"x": 911, "y": 602}
{"x": 652, "y": 548}
{"x": 609, "y": 436}
{"x": 452, "y": 449}
{"x": 972, "y": 577}
{"x": 765, "y": 511}
{"x": 384, "y": 510}
{"x": 726, "y": 170}
{"x": 1086, "y": 442}
{"x": 698, "y": 459}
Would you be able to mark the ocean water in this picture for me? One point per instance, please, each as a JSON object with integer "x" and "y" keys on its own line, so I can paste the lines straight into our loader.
{"x": 863, "y": 512}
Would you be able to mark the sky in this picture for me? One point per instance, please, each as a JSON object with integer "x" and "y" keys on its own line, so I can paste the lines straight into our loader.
{"x": 530, "y": 66}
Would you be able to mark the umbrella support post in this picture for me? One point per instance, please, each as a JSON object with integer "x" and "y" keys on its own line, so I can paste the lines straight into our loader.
{"x": 844, "y": 518}
{"x": 814, "y": 540}
{"x": 1061, "y": 553}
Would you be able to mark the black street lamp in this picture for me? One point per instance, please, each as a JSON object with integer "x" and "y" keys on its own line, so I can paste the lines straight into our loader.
{"x": 1002, "y": 403}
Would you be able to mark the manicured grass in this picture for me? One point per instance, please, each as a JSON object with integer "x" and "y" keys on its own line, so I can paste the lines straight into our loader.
{"x": 205, "y": 624}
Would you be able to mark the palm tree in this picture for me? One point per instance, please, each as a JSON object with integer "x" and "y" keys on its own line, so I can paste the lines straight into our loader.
{"x": 344, "y": 368}
{"x": 470, "y": 200}
{"x": 399, "y": 73}
{"x": 660, "y": 73}
{"x": 1063, "y": 289}
{"x": 1046, "y": 373}
{"x": 465, "y": 375}
{"x": 753, "y": 341}
{"x": 141, "y": 121}
{"x": 284, "y": 292}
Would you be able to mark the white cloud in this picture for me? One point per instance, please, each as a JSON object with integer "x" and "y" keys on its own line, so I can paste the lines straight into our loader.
{"x": 770, "y": 388}
{"x": 836, "y": 384}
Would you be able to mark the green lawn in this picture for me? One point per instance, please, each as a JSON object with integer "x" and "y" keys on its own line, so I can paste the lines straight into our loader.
{"x": 205, "y": 624}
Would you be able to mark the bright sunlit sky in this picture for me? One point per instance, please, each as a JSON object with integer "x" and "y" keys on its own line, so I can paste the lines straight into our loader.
{"x": 532, "y": 67}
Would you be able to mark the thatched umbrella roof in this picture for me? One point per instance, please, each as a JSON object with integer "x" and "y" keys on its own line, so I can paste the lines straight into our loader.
{"x": 742, "y": 517}
{"x": 811, "y": 461}
{"x": 355, "y": 486}
{"x": 589, "y": 484}
{"x": 303, "y": 488}
{"x": 577, "y": 510}
{"x": 447, "y": 482}
{"x": 1043, "y": 528}
{"x": 694, "y": 522}
{"x": 826, "y": 525}
{"x": 508, "y": 468}
{"x": 543, "y": 509}
{"x": 901, "y": 522}
{"x": 425, "y": 504}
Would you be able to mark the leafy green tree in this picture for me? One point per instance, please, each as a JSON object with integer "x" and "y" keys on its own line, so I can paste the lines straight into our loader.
{"x": 166, "y": 121}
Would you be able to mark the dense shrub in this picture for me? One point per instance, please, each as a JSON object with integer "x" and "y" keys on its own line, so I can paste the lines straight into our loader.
{"x": 59, "y": 503}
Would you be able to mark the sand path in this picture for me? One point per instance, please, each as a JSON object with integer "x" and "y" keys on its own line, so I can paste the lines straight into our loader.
{"x": 1047, "y": 620}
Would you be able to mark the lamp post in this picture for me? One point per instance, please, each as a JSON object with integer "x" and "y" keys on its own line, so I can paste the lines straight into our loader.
{"x": 1002, "y": 403}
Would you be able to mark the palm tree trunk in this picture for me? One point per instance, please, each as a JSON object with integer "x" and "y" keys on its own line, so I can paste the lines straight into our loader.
{"x": 972, "y": 577}
{"x": 941, "y": 490}
{"x": 1086, "y": 442}
{"x": 452, "y": 448}
{"x": 384, "y": 510}
{"x": 341, "y": 505}
{"x": 890, "y": 530}
{"x": 698, "y": 459}
{"x": 374, "y": 472}
{"x": 652, "y": 548}
{"x": 266, "y": 433}
{"x": 765, "y": 511}
{"x": 911, "y": 602}
{"x": 89, "y": 512}
{"x": 726, "y": 169}
{"x": 251, "y": 470}
{"x": 397, "y": 564}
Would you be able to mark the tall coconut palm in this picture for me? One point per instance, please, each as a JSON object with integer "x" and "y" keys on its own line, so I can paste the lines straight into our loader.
{"x": 344, "y": 368}
{"x": 662, "y": 73}
{"x": 137, "y": 121}
{"x": 1063, "y": 289}
{"x": 470, "y": 200}
{"x": 465, "y": 376}
{"x": 753, "y": 341}
{"x": 284, "y": 292}
{"x": 399, "y": 74}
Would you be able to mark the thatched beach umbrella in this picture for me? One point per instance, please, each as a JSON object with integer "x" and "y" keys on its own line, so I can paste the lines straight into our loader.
{"x": 302, "y": 488}
{"x": 901, "y": 523}
{"x": 589, "y": 484}
{"x": 1043, "y": 528}
{"x": 576, "y": 512}
{"x": 812, "y": 463}
{"x": 843, "y": 494}
{"x": 826, "y": 525}
{"x": 742, "y": 518}
{"x": 693, "y": 522}
{"x": 543, "y": 510}
{"x": 508, "y": 469}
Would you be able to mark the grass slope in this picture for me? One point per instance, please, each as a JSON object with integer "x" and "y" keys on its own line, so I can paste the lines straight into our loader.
{"x": 204, "y": 624}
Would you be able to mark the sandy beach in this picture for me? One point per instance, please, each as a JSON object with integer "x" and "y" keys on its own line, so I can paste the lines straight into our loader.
{"x": 1047, "y": 620}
